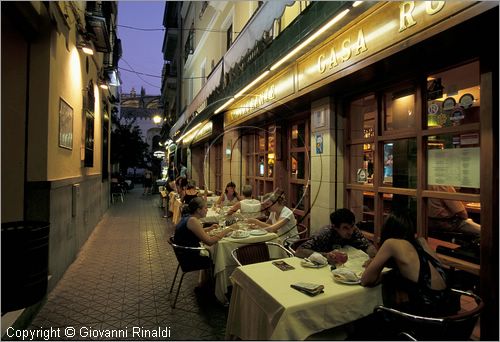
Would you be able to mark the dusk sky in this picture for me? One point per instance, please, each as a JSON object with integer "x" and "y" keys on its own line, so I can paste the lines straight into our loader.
{"x": 141, "y": 49}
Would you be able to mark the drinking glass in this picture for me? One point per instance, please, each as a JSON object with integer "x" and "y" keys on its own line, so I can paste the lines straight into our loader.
{"x": 340, "y": 258}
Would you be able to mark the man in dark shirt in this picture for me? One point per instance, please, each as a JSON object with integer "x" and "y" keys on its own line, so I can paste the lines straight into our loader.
{"x": 339, "y": 233}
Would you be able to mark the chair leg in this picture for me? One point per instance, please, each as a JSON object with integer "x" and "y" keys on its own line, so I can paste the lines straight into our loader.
{"x": 175, "y": 277}
{"x": 178, "y": 289}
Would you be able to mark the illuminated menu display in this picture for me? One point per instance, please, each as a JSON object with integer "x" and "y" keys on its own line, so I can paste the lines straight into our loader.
{"x": 456, "y": 166}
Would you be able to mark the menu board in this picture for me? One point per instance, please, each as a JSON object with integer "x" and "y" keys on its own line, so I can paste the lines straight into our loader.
{"x": 455, "y": 166}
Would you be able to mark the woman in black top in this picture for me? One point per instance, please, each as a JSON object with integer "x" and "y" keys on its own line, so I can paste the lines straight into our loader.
{"x": 418, "y": 272}
{"x": 190, "y": 192}
{"x": 190, "y": 232}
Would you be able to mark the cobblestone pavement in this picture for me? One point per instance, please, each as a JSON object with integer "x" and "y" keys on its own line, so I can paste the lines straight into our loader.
{"x": 121, "y": 280}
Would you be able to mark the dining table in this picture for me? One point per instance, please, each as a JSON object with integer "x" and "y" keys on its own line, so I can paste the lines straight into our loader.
{"x": 264, "y": 306}
{"x": 224, "y": 264}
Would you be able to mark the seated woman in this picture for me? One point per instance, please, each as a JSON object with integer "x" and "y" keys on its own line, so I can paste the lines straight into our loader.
{"x": 190, "y": 232}
{"x": 229, "y": 197}
{"x": 191, "y": 192}
{"x": 419, "y": 275}
{"x": 181, "y": 185}
{"x": 281, "y": 219}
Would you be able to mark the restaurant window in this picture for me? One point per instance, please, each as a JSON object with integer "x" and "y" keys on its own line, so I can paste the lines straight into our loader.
{"x": 453, "y": 97}
{"x": 425, "y": 164}
{"x": 299, "y": 166}
{"x": 399, "y": 108}
{"x": 260, "y": 149}
{"x": 453, "y": 161}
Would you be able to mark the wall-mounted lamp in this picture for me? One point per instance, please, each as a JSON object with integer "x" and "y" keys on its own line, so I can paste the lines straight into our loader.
{"x": 85, "y": 47}
{"x": 103, "y": 84}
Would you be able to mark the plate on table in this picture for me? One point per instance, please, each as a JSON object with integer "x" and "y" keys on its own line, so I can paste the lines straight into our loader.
{"x": 345, "y": 276}
{"x": 308, "y": 263}
{"x": 240, "y": 234}
{"x": 258, "y": 232}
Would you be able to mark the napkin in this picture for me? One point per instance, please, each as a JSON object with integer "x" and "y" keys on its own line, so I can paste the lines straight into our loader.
{"x": 345, "y": 274}
{"x": 318, "y": 259}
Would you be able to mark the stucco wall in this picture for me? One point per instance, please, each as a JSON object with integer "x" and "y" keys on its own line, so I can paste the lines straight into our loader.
{"x": 14, "y": 70}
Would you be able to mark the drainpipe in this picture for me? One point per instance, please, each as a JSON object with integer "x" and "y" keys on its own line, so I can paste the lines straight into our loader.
{"x": 26, "y": 132}
{"x": 336, "y": 158}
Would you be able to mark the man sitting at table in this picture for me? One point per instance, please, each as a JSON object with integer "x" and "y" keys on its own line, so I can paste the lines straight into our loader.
{"x": 450, "y": 215}
{"x": 248, "y": 207}
{"x": 339, "y": 233}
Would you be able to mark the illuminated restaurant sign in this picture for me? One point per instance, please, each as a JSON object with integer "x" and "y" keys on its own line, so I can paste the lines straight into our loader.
{"x": 199, "y": 133}
{"x": 270, "y": 92}
{"x": 384, "y": 27}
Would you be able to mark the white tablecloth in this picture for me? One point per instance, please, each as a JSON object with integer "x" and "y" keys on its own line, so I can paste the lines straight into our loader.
{"x": 224, "y": 263}
{"x": 265, "y": 307}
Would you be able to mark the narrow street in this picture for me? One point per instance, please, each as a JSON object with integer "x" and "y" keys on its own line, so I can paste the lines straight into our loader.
{"x": 121, "y": 279}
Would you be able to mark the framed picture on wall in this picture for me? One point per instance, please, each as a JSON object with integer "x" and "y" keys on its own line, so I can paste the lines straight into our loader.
{"x": 65, "y": 125}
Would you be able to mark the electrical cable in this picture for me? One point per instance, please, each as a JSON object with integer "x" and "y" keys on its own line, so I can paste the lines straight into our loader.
{"x": 137, "y": 74}
{"x": 141, "y": 73}
{"x": 172, "y": 28}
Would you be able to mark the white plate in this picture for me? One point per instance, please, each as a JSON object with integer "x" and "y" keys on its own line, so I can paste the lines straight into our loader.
{"x": 240, "y": 235}
{"x": 340, "y": 279}
{"x": 311, "y": 264}
{"x": 258, "y": 232}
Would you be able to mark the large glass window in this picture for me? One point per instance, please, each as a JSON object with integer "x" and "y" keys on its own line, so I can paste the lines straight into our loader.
{"x": 299, "y": 172}
{"x": 453, "y": 97}
{"x": 261, "y": 156}
{"x": 425, "y": 164}
{"x": 399, "y": 106}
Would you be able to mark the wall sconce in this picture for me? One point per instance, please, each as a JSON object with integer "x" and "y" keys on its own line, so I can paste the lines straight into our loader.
{"x": 102, "y": 84}
{"x": 85, "y": 47}
{"x": 228, "y": 150}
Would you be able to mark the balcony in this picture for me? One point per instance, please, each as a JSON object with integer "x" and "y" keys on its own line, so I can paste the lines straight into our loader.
{"x": 98, "y": 20}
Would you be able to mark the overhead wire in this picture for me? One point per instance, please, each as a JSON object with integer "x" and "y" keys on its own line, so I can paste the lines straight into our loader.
{"x": 138, "y": 75}
{"x": 156, "y": 76}
{"x": 173, "y": 28}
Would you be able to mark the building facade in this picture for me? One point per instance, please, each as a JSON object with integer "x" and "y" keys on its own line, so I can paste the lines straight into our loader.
{"x": 374, "y": 106}
{"x": 144, "y": 110}
{"x": 56, "y": 119}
